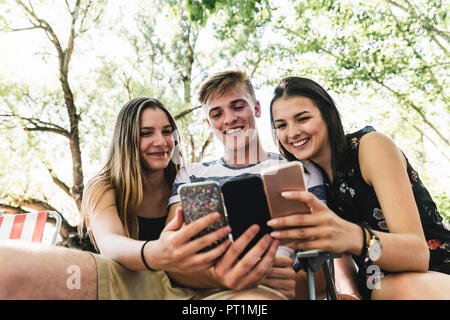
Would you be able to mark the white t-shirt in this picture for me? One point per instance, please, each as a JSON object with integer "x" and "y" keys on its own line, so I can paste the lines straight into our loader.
{"x": 219, "y": 171}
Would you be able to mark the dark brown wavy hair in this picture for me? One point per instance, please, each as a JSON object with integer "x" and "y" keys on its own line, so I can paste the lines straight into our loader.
{"x": 303, "y": 87}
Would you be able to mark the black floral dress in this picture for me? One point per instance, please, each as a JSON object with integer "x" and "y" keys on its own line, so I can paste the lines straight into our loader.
{"x": 354, "y": 200}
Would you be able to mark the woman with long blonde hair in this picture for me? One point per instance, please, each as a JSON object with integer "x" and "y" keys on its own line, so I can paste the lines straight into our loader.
{"x": 124, "y": 209}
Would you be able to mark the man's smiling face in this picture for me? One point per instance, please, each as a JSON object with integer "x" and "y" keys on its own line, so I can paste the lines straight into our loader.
{"x": 232, "y": 117}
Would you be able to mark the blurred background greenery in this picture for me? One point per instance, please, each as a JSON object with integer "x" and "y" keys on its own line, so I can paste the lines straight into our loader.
{"x": 68, "y": 67}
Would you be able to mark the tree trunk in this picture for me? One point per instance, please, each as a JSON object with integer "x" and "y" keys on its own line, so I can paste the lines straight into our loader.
{"x": 64, "y": 57}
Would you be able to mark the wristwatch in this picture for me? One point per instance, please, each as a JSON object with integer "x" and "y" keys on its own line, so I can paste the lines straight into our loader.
{"x": 374, "y": 248}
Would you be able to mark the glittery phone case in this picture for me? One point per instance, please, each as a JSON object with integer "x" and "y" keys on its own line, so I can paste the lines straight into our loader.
{"x": 200, "y": 199}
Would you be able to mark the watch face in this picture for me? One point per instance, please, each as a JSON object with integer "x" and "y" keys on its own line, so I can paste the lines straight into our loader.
{"x": 375, "y": 250}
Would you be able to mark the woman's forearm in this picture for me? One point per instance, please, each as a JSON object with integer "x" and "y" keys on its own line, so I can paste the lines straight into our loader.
{"x": 400, "y": 251}
{"x": 403, "y": 252}
{"x": 123, "y": 250}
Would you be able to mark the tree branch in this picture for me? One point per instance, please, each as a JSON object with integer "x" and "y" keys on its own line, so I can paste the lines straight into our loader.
{"x": 185, "y": 112}
{"x": 413, "y": 106}
{"x": 192, "y": 143}
{"x": 431, "y": 30}
{"x": 64, "y": 57}
{"x": 420, "y": 57}
{"x": 67, "y": 4}
{"x": 47, "y": 165}
{"x": 381, "y": 83}
{"x": 24, "y": 29}
{"x": 205, "y": 146}
{"x": 40, "y": 23}
{"x": 256, "y": 65}
{"x": 9, "y": 209}
{"x": 427, "y": 137}
{"x": 64, "y": 187}
{"x": 397, "y": 5}
{"x": 17, "y": 206}
{"x": 48, "y": 127}
{"x": 82, "y": 30}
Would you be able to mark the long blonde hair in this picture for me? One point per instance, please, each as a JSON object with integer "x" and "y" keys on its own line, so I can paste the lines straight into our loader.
{"x": 124, "y": 171}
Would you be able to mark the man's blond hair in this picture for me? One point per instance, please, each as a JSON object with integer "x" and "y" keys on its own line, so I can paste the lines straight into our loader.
{"x": 221, "y": 82}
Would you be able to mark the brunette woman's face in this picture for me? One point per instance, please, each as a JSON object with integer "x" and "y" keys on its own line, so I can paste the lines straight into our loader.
{"x": 301, "y": 128}
{"x": 156, "y": 140}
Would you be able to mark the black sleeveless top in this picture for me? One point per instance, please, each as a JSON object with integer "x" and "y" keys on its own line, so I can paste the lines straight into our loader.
{"x": 353, "y": 200}
{"x": 150, "y": 228}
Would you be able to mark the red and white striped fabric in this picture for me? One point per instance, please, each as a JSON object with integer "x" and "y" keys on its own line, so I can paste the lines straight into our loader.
{"x": 27, "y": 227}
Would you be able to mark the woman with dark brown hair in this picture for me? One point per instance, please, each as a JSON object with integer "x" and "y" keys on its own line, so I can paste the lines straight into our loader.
{"x": 378, "y": 209}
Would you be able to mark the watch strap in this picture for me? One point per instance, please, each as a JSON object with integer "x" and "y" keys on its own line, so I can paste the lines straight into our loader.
{"x": 363, "y": 254}
{"x": 373, "y": 235}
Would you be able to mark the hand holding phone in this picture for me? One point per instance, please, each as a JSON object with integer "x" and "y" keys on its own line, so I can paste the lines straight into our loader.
{"x": 200, "y": 199}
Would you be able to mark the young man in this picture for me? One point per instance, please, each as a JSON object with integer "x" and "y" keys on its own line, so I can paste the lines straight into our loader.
{"x": 229, "y": 101}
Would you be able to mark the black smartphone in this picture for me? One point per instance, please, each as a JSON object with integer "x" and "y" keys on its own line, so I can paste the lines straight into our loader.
{"x": 246, "y": 205}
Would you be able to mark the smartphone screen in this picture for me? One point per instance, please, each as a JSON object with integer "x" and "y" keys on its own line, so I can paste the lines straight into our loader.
{"x": 246, "y": 205}
{"x": 287, "y": 177}
{"x": 200, "y": 199}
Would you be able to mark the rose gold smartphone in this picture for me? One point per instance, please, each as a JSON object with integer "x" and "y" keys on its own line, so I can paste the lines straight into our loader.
{"x": 286, "y": 177}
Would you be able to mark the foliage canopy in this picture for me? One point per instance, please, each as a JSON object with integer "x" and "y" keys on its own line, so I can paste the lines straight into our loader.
{"x": 385, "y": 61}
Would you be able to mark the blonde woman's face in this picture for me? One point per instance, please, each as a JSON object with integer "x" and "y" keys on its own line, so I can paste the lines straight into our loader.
{"x": 156, "y": 141}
